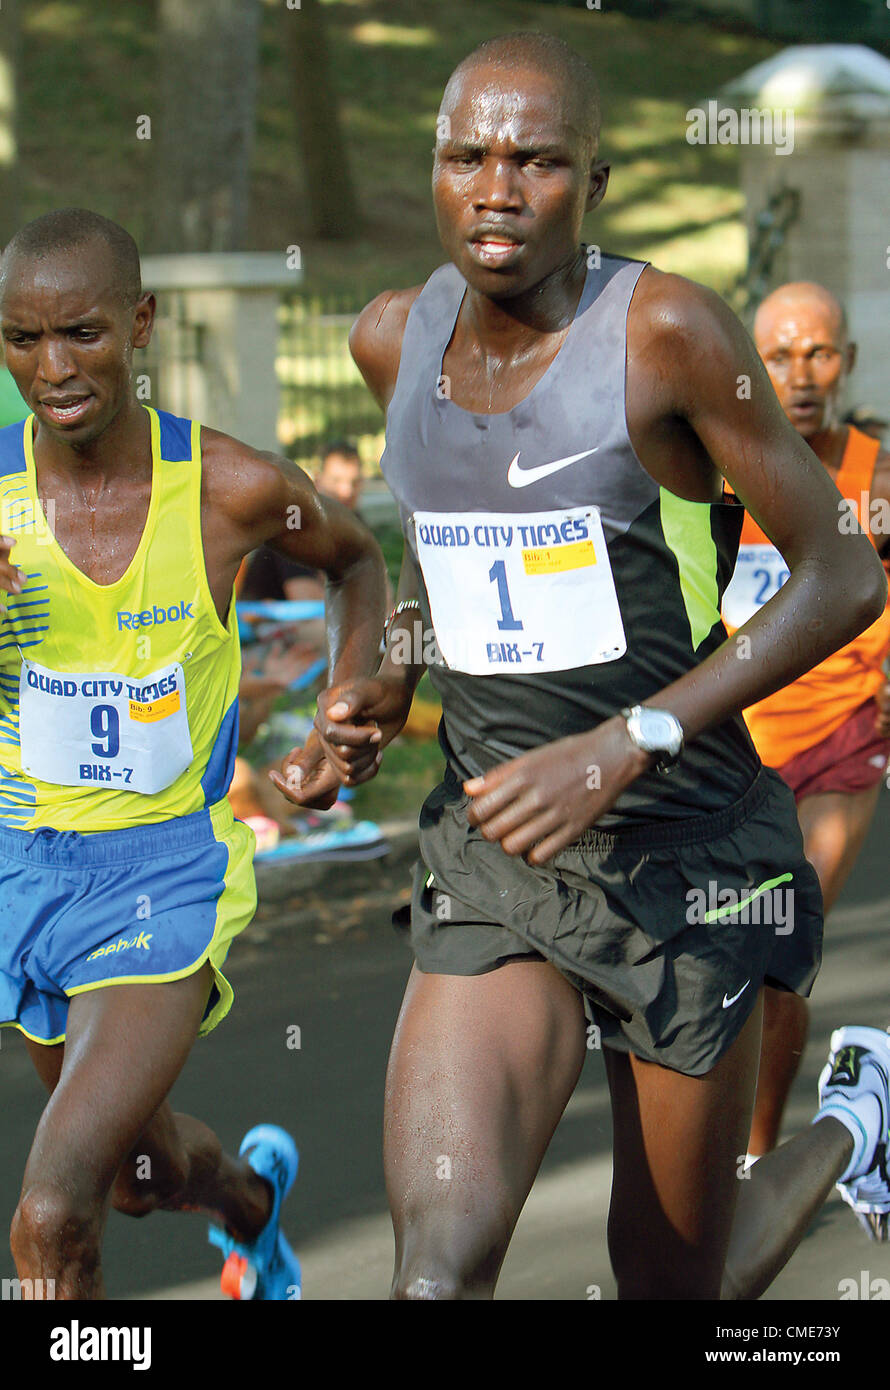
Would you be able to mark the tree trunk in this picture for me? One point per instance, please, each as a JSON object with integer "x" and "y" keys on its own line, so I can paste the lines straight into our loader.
{"x": 329, "y": 187}
{"x": 10, "y": 203}
{"x": 204, "y": 123}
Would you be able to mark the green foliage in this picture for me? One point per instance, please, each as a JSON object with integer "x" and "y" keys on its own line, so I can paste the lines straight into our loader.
{"x": 89, "y": 69}
{"x": 410, "y": 770}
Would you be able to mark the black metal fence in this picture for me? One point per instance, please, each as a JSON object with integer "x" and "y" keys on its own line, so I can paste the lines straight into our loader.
{"x": 323, "y": 396}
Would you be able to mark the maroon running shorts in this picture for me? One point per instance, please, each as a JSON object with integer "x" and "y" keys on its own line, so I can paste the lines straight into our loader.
{"x": 852, "y": 759}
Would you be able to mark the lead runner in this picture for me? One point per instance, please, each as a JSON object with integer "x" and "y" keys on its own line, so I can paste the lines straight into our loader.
{"x": 559, "y": 424}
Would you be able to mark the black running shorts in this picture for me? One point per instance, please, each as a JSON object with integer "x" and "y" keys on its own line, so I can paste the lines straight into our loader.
{"x": 667, "y": 929}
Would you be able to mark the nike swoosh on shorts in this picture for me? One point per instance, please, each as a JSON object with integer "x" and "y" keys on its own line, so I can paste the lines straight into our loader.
{"x": 727, "y": 1001}
{"x": 521, "y": 477}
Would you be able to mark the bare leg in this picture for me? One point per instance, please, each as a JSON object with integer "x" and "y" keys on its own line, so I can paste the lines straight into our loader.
{"x": 480, "y": 1072}
{"x": 786, "y": 1021}
{"x": 676, "y": 1145}
{"x": 177, "y": 1164}
{"x": 777, "y": 1201}
{"x": 834, "y": 826}
{"x": 107, "y": 1133}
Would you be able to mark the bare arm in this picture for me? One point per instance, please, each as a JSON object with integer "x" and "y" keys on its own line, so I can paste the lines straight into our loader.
{"x": 257, "y": 498}
{"x": 348, "y": 710}
{"x": 375, "y": 341}
{"x": 709, "y": 379}
{"x": 880, "y": 493}
{"x": 699, "y": 405}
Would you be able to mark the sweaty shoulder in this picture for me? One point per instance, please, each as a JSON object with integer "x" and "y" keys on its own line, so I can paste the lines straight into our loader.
{"x": 248, "y": 488}
{"x": 670, "y": 311}
{"x": 683, "y": 341}
{"x": 234, "y": 471}
{"x": 375, "y": 340}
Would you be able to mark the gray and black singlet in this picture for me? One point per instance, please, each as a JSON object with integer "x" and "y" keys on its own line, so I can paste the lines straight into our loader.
{"x": 562, "y": 581}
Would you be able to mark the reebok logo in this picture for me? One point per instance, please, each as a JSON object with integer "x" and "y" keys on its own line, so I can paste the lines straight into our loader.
{"x": 140, "y": 942}
{"x": 153, "y": 617}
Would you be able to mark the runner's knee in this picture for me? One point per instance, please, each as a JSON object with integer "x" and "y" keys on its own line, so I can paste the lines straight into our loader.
{"x": 54, "y": 1228}
{"x": 452, "y": 1259}
{"x": 436, "y": 1277}
{"x": 426, "y": 1279}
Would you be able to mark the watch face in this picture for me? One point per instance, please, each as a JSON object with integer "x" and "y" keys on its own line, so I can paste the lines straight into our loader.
{"x": 660, "y": 730}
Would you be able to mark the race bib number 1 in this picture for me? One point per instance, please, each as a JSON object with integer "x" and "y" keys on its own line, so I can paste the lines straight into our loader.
{"x": 102, "y": 729}
{"x": 519, "y": 591}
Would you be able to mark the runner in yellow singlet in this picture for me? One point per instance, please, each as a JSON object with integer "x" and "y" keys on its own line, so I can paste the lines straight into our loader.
{"x": 123, "y": 875}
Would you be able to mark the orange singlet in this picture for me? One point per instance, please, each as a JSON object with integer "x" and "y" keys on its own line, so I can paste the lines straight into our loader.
{"x": 812, "y": 707}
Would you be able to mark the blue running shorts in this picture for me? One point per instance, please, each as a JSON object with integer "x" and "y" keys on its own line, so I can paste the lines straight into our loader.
{"x": 144, "y": 905}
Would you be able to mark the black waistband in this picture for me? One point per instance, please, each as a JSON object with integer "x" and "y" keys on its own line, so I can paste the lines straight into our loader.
{"x": 665, "y": 833}
{"x": 687, "y": 831}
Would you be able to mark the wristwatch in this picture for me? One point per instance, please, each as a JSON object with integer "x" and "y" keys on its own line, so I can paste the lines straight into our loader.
{"x": 655, "y": 731}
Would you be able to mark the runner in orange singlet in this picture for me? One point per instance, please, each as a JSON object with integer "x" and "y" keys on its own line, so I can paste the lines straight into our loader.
{"x": 827, "y": 732}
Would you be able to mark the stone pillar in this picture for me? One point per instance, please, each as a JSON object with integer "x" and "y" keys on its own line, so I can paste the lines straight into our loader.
{"x": 839, "y": 165}
{"x": 213, "y": 355}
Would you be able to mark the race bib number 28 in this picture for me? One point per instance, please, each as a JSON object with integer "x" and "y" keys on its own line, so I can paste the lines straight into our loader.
{"x": 103, "y": 730}
{"x": 519, "y": 592}
{"x": 759, "y": 574}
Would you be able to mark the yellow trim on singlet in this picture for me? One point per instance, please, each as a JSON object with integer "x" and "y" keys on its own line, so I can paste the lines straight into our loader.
{"x": 87, "y": 627}
{"x": 102, "y": 591}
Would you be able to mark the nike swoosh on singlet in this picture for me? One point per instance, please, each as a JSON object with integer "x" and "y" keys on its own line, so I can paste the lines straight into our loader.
{"x": 727, "y": 1001}
{"x": 521, "y": 477}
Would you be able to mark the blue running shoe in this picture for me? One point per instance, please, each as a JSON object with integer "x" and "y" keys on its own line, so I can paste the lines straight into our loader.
{"x": 267, "y": 1269}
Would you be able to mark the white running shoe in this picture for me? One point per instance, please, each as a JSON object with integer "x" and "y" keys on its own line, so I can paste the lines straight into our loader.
{"x": 858, "y": 1066}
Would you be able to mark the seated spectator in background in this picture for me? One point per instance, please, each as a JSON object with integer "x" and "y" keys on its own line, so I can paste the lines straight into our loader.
{"x": 285, "y": 651}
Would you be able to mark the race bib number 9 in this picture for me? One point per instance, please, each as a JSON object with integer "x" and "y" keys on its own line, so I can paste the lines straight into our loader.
{"x": 519, "y": 592}
{"x": 759, "y": 574}
{"x": 104, "y": 730}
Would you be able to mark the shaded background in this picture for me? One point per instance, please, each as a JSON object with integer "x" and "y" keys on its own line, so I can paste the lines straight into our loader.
{"x": 248, "y": 126}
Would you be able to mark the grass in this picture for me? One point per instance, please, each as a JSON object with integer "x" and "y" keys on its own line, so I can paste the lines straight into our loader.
{"x": 411, "y": 765}
{"x": 79, "y": 103}
{"x": 89, "y": 70}
{"x": 410, "y": 770}
{"x": 677, "y": 204}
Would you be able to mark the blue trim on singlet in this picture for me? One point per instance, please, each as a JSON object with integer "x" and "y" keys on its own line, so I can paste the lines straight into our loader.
{"x": 176, "y": 438}
{"x": 221, "y": 764}
{"x": 12, "y": 449}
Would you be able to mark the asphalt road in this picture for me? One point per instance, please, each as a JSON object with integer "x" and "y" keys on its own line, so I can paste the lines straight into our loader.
{"x": 337, "y": 972}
